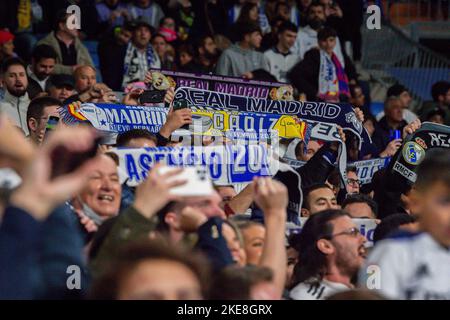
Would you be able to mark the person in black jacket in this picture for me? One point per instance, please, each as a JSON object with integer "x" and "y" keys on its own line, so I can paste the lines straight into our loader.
{"x": 305, "y": 75}
{"x": 111, "y": 51}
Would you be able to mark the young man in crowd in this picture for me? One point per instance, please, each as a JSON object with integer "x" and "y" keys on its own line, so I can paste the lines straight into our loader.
{"x": 331, "y": 251}
{"x": 43, "y": 60}
{"x": 321, "y": 76}
{"x": 415, "y": 265}
{"x": 317, "y": 198}
{"x": 242, "y": 58}
{"x": 360, "y": 206}
{"x": 281, "y": 58}
{"x": 61, "y": 86}
{"x": 38, "y": 113}
{"x": 16, "y": 100}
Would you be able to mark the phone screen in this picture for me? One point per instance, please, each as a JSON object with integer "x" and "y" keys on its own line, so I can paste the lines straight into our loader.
{"x": 52, "y": 122}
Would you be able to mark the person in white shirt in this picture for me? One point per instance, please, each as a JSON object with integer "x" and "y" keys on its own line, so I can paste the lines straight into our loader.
{"x": 331, "y": 251}
{"x": 415, "y": 266}
{"x": 281, "y": 58}
{"x": 307, "y": 36}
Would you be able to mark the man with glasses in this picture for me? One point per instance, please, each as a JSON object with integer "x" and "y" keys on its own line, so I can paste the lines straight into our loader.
{"x": 331, "y": 251}
{"x": 38, "y": 113}
{"x": 353, "y": 182}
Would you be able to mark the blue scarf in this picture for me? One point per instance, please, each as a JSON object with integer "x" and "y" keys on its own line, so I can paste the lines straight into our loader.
{"x": 341, "y": 114}
{"x": 226, "y": 164}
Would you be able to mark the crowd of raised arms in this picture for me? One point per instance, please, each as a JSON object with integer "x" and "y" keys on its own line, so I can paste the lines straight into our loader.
{"x": 342, "y": 204}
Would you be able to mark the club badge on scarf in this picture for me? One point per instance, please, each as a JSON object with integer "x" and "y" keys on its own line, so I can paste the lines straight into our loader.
{"x": 164, "y": 79}
{"x": 341, "y": 114}
{"x": 226, "y": 164}
{"x": 115, "y": 117}
{"x": 413, "y": 150}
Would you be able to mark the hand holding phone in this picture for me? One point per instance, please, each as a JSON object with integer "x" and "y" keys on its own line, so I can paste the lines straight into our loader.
{"x": 198, "y": 181}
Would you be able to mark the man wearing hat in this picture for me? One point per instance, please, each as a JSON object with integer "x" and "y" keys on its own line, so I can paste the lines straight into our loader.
{"x": 140, "y": 54}
{"x": 6, "y": 45}
{"x": 400, "y": 91}
{"x": 60, "y": 86}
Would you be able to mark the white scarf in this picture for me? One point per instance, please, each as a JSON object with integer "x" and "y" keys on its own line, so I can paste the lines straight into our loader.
{"x": 328, "y": 81}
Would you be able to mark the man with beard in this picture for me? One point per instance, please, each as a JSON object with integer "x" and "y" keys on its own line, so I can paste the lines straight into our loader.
{"x": 331, "y": 251}
{"x": 307, "y": 36}
{"x": 43, "y": 62}
{"x": 207, "y": 54}
{"x": 16, "y": 100}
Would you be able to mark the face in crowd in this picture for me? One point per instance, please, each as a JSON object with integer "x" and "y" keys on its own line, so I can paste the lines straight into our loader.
{"x": 353, "y": 182}
{"x": 318, "y": 200}
{"x": 234, "y": 244}
{"x": 43, "y": 68}
{"x": 359, "y": 210}
{"x": 38, "y": 126}
{"x": 160, "y": 279}
{"x": 345, "y": 247}
{"x": 85, "y": 78}
{"x": 61, "y": 91}
{"x": 15, "y": 80}
{"x": 312, "y": 148}
{"x": 254, "y": 236}
{"x": 103, "y": 191}
{"x": 141, "y": 37}
{"x": 394, "y": 110}
{"x": 432, "y": 206}
{"x": 226, "y": 193}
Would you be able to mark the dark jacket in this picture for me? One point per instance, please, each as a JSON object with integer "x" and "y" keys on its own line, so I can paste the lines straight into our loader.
{"x": 381, "y": 136}
{"x": 111, "y": 57}
{"x": 213, "y": 245}
{"x": 35, "y": 256}
{"x": 304, "y": 76}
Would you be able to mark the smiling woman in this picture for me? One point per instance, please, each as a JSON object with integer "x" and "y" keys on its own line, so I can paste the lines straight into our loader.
{"x": 100, "y": 199}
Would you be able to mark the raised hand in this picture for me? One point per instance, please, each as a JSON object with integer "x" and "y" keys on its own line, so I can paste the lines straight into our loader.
{"x": 39, "y": 194}
{"x": 154, "y": 193}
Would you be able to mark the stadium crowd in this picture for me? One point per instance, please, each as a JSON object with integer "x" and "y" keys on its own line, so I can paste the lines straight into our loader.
{"x": 145, "y": 242}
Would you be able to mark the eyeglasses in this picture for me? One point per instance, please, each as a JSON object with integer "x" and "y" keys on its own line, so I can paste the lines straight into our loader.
{"x": 353, "y": 181}
{"x": 354, "y": 232}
